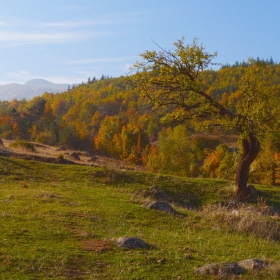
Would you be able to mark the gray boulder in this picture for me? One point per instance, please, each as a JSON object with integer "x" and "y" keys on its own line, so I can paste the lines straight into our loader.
{"x": 131, "y": 242}
{"x": 252, "y": 264}
{"x": 1, "y": 143}
{"x": 161, "y": 206}
{"x": 75, "y": 156}
{"x": 159, "y": 195}
{"x": 221, "y": 269}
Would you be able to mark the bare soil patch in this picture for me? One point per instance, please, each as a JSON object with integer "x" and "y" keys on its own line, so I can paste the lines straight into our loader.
{"x": 97, "y": 245}
{"x": 51, "y": 154}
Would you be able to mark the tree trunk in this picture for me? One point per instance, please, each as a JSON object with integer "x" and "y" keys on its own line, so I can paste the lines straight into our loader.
{"x": 251, "y": 148}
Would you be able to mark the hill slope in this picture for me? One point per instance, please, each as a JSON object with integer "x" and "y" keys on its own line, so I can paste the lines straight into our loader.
{"x": 61, "y": 222}
{"x": 29, "y": 89}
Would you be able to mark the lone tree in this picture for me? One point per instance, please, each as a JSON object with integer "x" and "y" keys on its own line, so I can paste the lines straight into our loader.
{"x": 172, "y": 81}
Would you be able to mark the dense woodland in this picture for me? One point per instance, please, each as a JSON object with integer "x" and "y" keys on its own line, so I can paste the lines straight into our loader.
{"x": 108, "y": 116}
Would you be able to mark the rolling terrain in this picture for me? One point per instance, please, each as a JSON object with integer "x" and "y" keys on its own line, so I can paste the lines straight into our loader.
{"x": 61, "y": 221}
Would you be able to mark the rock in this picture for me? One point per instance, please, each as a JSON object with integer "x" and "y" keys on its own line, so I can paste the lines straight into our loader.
{"x": 131, "y": 242}
{"x": 93, "y": 158}
{"x": 162, "y": 260}
{"x": 1, "y": 143}
{"x": 252, "y": 264}
{"x": 188, "y": 257}
{"x": 228, "y": 268}
{"x": 75, "y": 156}
{"x": 221, "y": 269}
{"x": 161, "y": 206}
{"x": 159, "y": 195}
{"x": 211, "y": 268}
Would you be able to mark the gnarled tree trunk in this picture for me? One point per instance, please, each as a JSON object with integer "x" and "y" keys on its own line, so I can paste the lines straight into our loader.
{"x": 251, "y": 148}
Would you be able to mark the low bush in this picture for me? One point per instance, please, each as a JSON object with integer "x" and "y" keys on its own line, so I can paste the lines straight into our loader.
{"x": 23, "y": 145}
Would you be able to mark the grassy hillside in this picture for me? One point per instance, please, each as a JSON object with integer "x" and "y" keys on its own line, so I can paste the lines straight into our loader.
{"x": 61, "y": 222}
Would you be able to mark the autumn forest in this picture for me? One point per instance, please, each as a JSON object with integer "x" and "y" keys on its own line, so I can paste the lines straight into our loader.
{"x": 108, "y": 116}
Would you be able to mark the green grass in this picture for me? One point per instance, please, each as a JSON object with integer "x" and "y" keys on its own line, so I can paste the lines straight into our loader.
{"x": 52, "y": 217}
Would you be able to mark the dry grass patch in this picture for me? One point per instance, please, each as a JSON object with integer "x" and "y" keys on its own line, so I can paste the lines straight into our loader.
{"x": 23, "y": 146}
{"x": 243, "y": 218}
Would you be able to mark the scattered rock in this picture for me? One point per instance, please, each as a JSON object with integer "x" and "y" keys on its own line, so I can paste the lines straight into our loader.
{"x": 162, "y": 260}
{"x": 228, "y": 268}
{"x": 211, "y": 268}
{"x": 93, "y": 158}
{"x": 221, "y": 269}
{"x": 187, "y": 204}
{"x": 75, "y": 156}
{"x": 131, "y": 242}
{"x": 1, "y": 143}
{"x": 252, "y": 264}
{"x": 188, "y": 257}
{"x": 161, "y": 206}
{"x": 159, "y": 195}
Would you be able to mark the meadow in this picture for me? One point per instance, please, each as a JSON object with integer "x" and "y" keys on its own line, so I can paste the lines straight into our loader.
{"x": 61, "y": 221}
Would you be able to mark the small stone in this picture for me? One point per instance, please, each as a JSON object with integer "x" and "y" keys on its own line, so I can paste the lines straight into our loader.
{"x": 162, "y": 260}
{"x": 75, "y": 156}
{"x": 187, "y": 248}
{"x": 161, "y": 206}
{"x": 131, "y": 242}
{"x": 188, "y": 257}
{"x": 211, "y": 268}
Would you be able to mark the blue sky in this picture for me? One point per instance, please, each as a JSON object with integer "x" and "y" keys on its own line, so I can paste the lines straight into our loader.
{"x": 69, "y": 41}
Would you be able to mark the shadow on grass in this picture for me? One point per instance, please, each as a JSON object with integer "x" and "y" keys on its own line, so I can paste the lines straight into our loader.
{"x": 13, "y": 162}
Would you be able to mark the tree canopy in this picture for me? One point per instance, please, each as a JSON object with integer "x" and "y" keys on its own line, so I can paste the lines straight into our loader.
{"x": 174, "y": 83}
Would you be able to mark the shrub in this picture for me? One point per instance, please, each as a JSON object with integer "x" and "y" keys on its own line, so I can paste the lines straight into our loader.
{"x": 23, "y": 145}
{"x": 60, "y": 157}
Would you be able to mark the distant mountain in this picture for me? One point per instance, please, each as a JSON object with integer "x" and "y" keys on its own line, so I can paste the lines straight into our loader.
{"x": 29, "y": 89}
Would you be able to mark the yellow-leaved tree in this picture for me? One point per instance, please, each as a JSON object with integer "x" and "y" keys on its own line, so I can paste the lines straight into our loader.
{"x": 172, "y": 82}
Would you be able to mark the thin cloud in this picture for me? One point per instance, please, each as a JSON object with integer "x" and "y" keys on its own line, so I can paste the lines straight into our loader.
{"x": 98, "y": 60}
{"x": 76, "y": 24}
{"x": 50, "y": 37}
